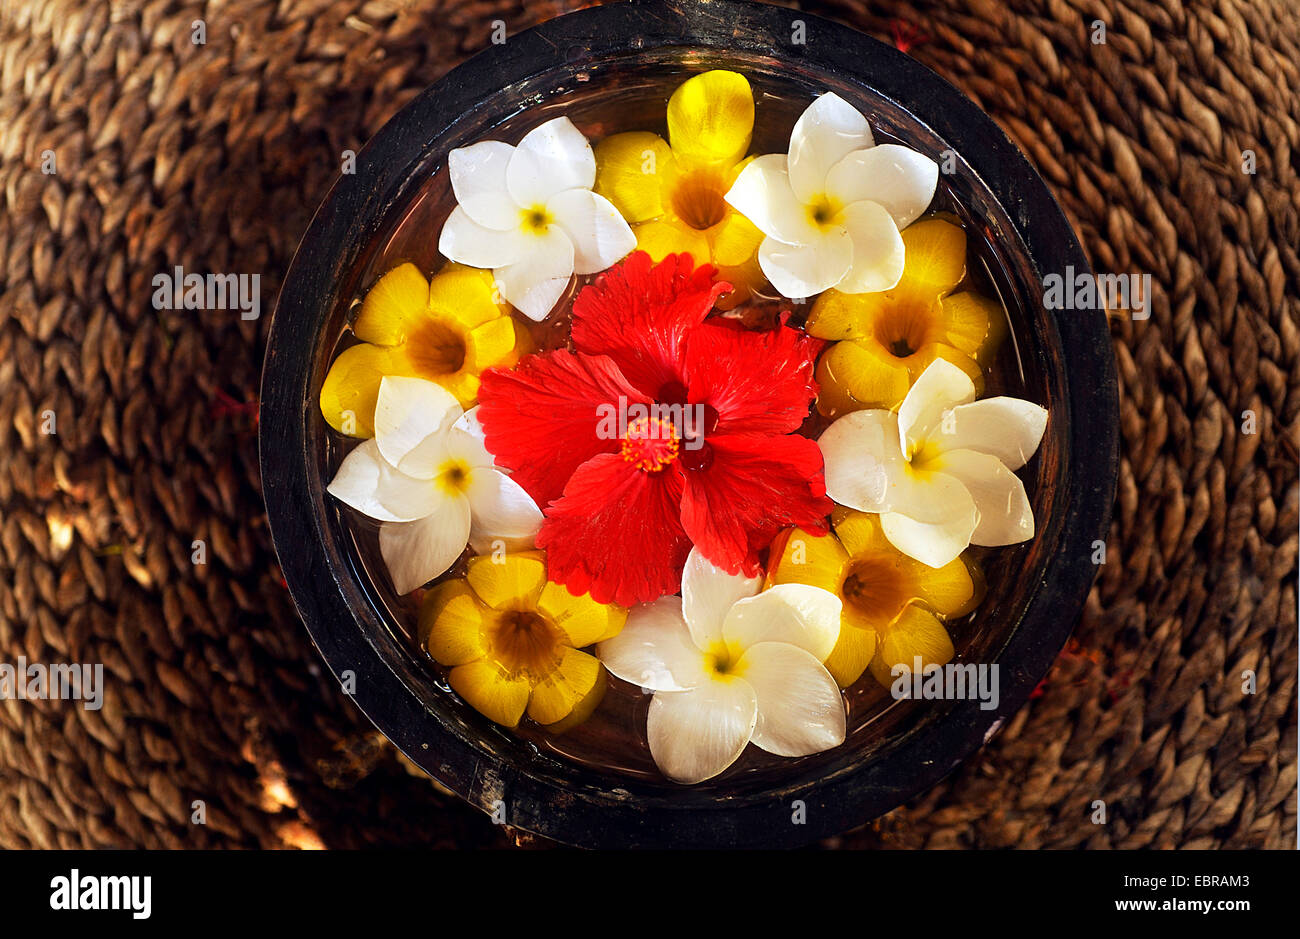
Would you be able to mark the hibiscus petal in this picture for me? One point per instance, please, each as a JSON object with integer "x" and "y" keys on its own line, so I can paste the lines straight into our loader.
{"x": 1007, "y": 428}
{"x": 938, "y": 524}
{"x": 499, "y": 506}
{"x": 708, "y": 592}
{"x": 805, "y": 270}
{"x": 465, "y": 241}
{"x": 615, "y": 532}
{"x": 417, "y": 552}
{"x": 639, "y": 313}
{"x": 865, "y": 469}
{"x": 877, "y": 249}
{"x": 538, "y": 278}
{"x": 551, "y": 158}
{"x": 599, "y": 235}
{"x": 797, "y": 614}
{"x": 940, "y": 388}
{"x": 411, "y": 417}
{"x": 654, "y": 649}
{"x": 370, "y": 485}
{"x": 542, "y": 419}
{"x": 759, "y": 382}
{"x": 898, "y": 178}
{"x": 763, "y": 195}
{"x": 711, "y": 117}
{"x": 751, "y": 488}
{"x": 1005, "y": 515}
{"x": 694, "y": 735}
{"x": 478, "y": 178}
{"x": 827, "y": 131}
{"x": 800, "y": 708}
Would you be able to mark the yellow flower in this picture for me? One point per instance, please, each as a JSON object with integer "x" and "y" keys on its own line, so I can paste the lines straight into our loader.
{"x": 511, "y": 639}
{"x": 893, "y": 606}
{"x": 447, "y": 330}
{"x": 884, "y": 341}
{"x": 671, "y": 192}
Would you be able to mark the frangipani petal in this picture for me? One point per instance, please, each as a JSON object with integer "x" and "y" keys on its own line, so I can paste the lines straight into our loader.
{"x": 551, "y": 158}
{"x": 940, "y": 388}
{"x": 1007, "y": 428}
{"x": 370, "y": 485}
{"x": 877, "y": 249}
{"x": 711, "y": 117}
{"x": 795, "y": 614}
{"x": 417, "y": 552}
{"x": 827, "y": 131}
{"x": 599, "y": 235}
{"x": 351, "y": 387}
{"x": 1005, "y": 515}
{"x": 465, "y": 241}
{"x": 865, "y": 469}
{"x": 478, "y": 178}
{"x": 411, "y": 416}
{"x": 694, "y": 735}
{"x": 763, "y": 195}
{"x": 898, "y": 178}
{"x": 499, "y": 506}
{"x": 800, "y": 708}
{"x": 805, "y": 270}
{"x": 943, "y": 532}
{"x": 535, "y": 282}
{"x": 708, "y": 592}
{"x": 654, "y": 649}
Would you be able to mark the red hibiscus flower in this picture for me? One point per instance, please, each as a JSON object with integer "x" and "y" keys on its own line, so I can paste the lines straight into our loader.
{"x": 662, "y": 430}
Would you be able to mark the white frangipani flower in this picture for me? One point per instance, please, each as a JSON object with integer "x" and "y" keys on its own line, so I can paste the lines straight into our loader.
{"x": 427, "y": 477}
{"x": 833, "y": 206}
{"x": 730, "y": 666}
{"x": 529, "y": 214}
{"x": 940, "y": 471}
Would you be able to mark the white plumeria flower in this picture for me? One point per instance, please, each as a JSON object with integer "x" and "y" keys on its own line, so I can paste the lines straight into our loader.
{"x": 940, "y": 471}
{"x": 730, "y": 666}
{"x": 428, "y": 478}
{"x": 529, "y": 214}
{"x": 832, "y": 208}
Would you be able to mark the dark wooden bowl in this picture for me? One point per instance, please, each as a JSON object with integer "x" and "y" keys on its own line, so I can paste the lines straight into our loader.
{"x": 1062, "y": 360}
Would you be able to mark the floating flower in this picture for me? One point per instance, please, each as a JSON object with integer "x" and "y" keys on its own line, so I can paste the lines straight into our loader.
{"x": 832, "y": 207}
{"x": 446, "y": 330}
{"x": 893, "y": 606}
{"x": 731, "y": 666}
{"x": 660, "y": 431}
{"x": 511, "y": 641}
{"x": 528, "y": 213}
{"x": 939, "y": 471}
{"x": 884, "y": 341}
{"x": 673, "y": 191}
{"x": 428, "y": 478}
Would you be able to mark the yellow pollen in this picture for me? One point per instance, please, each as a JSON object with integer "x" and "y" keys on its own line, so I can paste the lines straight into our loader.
{"x": 650, "y": 444}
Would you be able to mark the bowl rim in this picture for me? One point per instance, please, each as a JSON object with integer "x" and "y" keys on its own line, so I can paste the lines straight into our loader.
{"x": 325, "y": 589}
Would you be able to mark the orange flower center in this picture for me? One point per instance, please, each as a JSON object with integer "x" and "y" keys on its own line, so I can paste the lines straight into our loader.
{"x": 436, "y": 348}
{"x": 650, "y": 444}
{"x": 698, "y": 199}
{"x": 524, "y": 641}
{"x": 872, "y": 587}
{"x": 904, "y": 328}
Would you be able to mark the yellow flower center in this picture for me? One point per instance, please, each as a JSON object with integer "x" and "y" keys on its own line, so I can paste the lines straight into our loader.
{"x": 453, "y": 476}
{"x": 904, "y": 328}
{"x": 822, "y": 210}
{"x": 437, "y": 348}
{"x": 524, "y": 642}
{"x": 698, "y": 198}
{"x": 720, "y": 660}
{"x": 536, "y": 219}
{"x": 650, "y": 444}
{"x": 872, "y": 586}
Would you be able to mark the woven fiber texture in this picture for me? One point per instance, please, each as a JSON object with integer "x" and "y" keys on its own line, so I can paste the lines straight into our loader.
{"x": 214, "y": 156}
